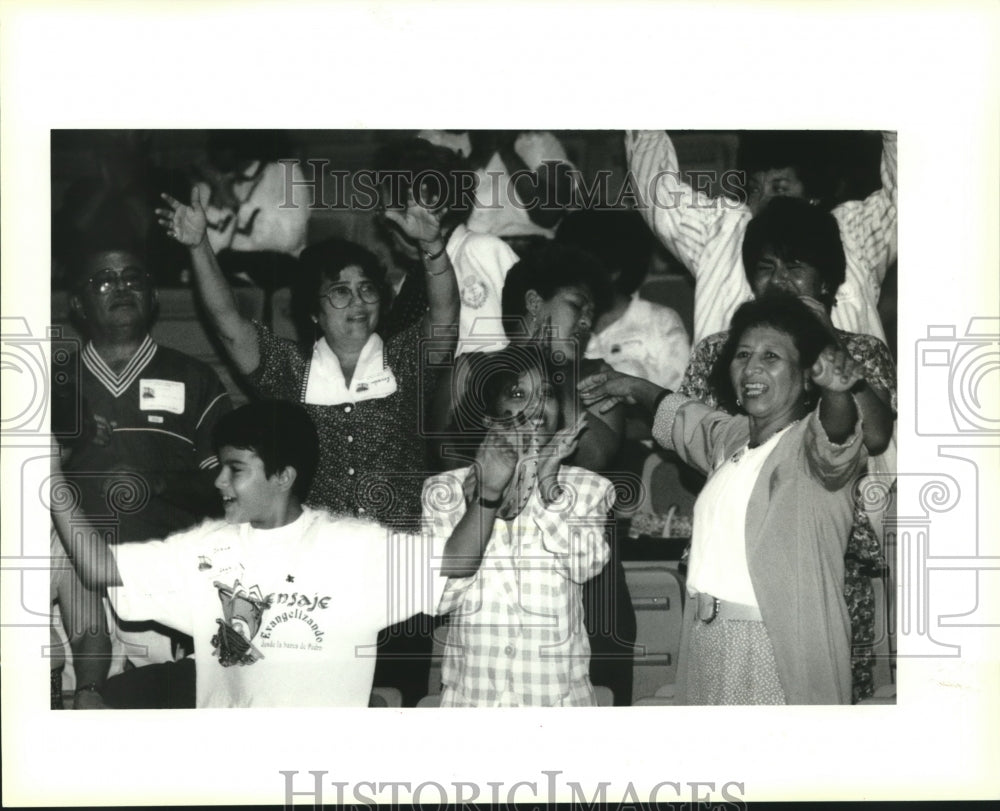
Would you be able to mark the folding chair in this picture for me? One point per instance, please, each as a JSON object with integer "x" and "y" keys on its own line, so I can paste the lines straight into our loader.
{"x": 657, "y": 596}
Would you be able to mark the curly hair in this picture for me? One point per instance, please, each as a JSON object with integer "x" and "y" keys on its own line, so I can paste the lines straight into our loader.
{"x": 780, "y": 311}
{"x": 323, "y": 262}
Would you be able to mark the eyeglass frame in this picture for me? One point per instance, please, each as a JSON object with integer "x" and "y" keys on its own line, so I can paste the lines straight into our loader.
{"x": 328, "y": 295}
{"x": 143, "y": 279}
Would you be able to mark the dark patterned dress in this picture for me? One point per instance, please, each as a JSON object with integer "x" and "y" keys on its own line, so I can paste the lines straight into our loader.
{"x": 863, "y": 558}
{"x": 372, "y": 457}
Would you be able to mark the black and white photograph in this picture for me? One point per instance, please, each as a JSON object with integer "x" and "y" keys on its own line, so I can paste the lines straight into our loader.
{"x": 323, "y": 422}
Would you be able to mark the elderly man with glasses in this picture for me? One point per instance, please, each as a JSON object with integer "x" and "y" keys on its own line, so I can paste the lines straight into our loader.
{"x": 143, "y": 457}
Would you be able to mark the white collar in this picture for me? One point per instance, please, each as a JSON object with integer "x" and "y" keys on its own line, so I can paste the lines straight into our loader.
{"x": 372, "y": 379}
{"x": 119, "y": 383}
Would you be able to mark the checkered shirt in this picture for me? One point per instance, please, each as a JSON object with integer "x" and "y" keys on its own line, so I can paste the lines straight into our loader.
{"x": 517, "y": 634}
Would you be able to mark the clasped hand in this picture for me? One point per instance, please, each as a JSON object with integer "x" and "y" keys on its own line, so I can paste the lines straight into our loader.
{"x": 835, "y": 370}
{"x": 501, "y": 450}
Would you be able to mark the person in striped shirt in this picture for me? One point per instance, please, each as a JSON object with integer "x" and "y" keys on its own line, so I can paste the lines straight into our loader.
{"x": 706, "y": 234}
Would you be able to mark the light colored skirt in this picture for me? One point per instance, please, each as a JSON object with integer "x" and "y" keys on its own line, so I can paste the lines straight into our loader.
{"x": 726, "y": 661}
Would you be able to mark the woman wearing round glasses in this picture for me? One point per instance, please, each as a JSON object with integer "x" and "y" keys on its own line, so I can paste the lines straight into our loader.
{"x": 362, "y": 393}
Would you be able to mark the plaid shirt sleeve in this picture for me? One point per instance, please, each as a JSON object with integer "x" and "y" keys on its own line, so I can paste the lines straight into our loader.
{"x": 574, "y": 526}
{"x": 443, "y": 507}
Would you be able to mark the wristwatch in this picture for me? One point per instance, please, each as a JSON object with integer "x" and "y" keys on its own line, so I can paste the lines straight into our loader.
{"x": 489, "y": 504}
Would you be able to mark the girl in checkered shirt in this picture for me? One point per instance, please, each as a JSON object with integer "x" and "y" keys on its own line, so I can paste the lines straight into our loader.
{"x": 516, "y": 633}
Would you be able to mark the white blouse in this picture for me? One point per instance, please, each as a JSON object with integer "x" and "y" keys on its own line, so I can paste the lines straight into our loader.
{"x": 718, "y": 561}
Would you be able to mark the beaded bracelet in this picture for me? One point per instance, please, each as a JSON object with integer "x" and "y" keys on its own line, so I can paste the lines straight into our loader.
{"x": 90, "y": 686}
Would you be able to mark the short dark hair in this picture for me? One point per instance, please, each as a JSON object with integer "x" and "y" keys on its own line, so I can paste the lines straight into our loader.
{"x": 797, "y": 150}
{"x": 792, "y": 228}
{"x": 324, "y": 261}
{"x": 546, "y": 269}
{"x": 413, "y": 157}
{"x": 619, "y": 239}
{"x": 103, "y": 240}
{"x": 281, "y": 433}
{"x": 781, "y": 311}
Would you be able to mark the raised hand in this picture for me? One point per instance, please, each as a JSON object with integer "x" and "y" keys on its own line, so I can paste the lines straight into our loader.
{"x": 418, "y": 222}
{"x": 835, "y": 370}
{"x": 496, "y": 462}
{"x": 186, "y": 224}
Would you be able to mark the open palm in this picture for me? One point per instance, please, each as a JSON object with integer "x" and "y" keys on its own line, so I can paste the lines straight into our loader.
{"x": 185, "y": 223}
{"x": 418, "y": 222}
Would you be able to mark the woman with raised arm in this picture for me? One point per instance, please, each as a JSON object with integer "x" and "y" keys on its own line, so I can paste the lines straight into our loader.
{"x": 795, "y": 247}
{"x": 765, "y": 620}
{"x": 363, "y": 393}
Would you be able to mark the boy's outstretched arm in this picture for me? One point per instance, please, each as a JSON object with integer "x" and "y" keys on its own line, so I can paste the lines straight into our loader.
{"x": 84, "y": 545}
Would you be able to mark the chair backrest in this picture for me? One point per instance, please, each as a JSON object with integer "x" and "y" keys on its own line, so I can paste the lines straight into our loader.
{"x": 605, "y": 695}
{"x": 657, "y": 596}
{"x": 385, "y": 697}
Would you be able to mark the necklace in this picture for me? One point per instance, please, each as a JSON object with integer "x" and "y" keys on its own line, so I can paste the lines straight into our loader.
{"x": 748, "y": 447}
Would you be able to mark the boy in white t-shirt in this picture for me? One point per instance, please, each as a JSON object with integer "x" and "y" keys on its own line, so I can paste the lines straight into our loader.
{"x": 284, "y": 602}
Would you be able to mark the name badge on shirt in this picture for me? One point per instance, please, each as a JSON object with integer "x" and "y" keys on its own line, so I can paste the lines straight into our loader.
{"x": 376, "y": 387}
{"x": 161, "y": 395}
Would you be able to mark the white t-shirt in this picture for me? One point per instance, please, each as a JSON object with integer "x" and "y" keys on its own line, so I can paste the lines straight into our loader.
{"x": 294, "y": 612}
{"x": 481, "y": 263}
{"x": 648, "y": 341}
{"x": 718, "y": 563}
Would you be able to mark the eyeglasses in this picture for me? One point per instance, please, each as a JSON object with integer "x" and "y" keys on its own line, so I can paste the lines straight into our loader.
{"x": 104, "y": 281}
{"x": 340, "y": 297}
